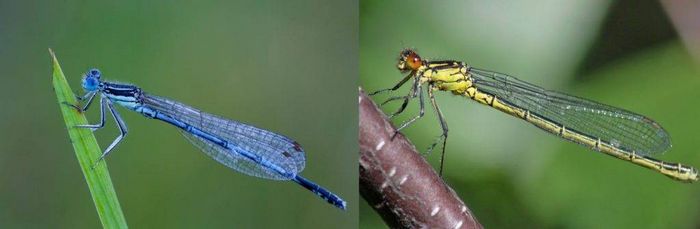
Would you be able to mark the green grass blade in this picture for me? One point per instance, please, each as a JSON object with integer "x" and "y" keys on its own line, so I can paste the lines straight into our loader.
{"x": 87, "y": 151}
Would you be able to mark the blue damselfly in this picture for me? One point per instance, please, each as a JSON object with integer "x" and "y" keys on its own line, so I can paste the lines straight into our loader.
{"x": 245, "y": 148}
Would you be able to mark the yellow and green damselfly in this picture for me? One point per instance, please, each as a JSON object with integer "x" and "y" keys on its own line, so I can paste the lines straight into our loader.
{"x": 614, "y": 131}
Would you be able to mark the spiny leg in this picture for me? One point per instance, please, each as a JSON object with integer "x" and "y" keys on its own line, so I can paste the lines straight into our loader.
{"x": 122, "y": 132}
{"x": 406, "y": 98}
{"x": 397, "y": 86}
{"x": 103, "y": 108}
{"x": 411, "y": 94}
{"x": 420, "y": 114}
{"x": 443, "y": 125}
{"x": 394, "y": 98}
{"x": 88, "y": 96}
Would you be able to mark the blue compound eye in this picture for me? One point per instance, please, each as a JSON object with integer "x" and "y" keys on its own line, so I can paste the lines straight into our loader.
{"x": 91, "y": 81}
{"x": 94, "y": 73}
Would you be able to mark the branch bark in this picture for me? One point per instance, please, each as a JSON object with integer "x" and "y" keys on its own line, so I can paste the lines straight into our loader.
{"x": 399, "y": 183}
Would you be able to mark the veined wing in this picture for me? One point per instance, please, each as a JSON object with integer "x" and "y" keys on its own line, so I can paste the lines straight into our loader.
{"x": 273, "y": 148}
{"x": 615, "y": 126}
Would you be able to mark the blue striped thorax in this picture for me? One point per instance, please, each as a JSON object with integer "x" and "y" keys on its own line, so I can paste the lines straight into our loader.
{"x": 123, "y": 94}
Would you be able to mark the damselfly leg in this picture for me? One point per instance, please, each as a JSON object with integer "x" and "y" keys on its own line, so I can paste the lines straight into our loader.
{"x": 417, "y": 91}
{"x": 443, "y": 125}
{"x": 97, "y": 126}
{"x": 397, "y": 86}
{"x": 105, "y": 104}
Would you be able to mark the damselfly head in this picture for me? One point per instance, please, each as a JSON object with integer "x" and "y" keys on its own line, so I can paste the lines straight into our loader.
{"x": 91, "y": 80}
{"x": 409, "y": 61}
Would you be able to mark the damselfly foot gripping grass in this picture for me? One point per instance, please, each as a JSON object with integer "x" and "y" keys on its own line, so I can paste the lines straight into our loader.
{"x": 245, "y": 148}
{"x": 610, "y": 130}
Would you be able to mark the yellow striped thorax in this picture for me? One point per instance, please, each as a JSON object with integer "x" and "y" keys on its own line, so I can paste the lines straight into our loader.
{"x": 447, "y": 77}
{"x": 444, "y": 75}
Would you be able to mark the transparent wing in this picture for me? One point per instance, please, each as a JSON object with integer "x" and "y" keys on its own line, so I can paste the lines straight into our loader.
{"x": 615, "y": 126}
{"x": 272, "y": 147}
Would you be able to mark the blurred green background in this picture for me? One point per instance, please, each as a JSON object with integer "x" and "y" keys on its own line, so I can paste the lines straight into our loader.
{"x": 512, "y": 175}
{"x": 287, "y": 67}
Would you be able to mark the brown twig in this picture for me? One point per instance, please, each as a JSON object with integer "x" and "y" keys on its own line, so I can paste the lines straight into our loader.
{"x": 399, "y": 183}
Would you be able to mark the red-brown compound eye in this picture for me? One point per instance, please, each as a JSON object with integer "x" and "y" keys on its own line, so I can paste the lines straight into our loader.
{"x": 413, "y": 61}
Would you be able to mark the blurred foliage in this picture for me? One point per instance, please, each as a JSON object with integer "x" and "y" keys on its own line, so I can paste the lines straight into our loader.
{"x": 511, "y": 174}
{"x": 285, "y": 66}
